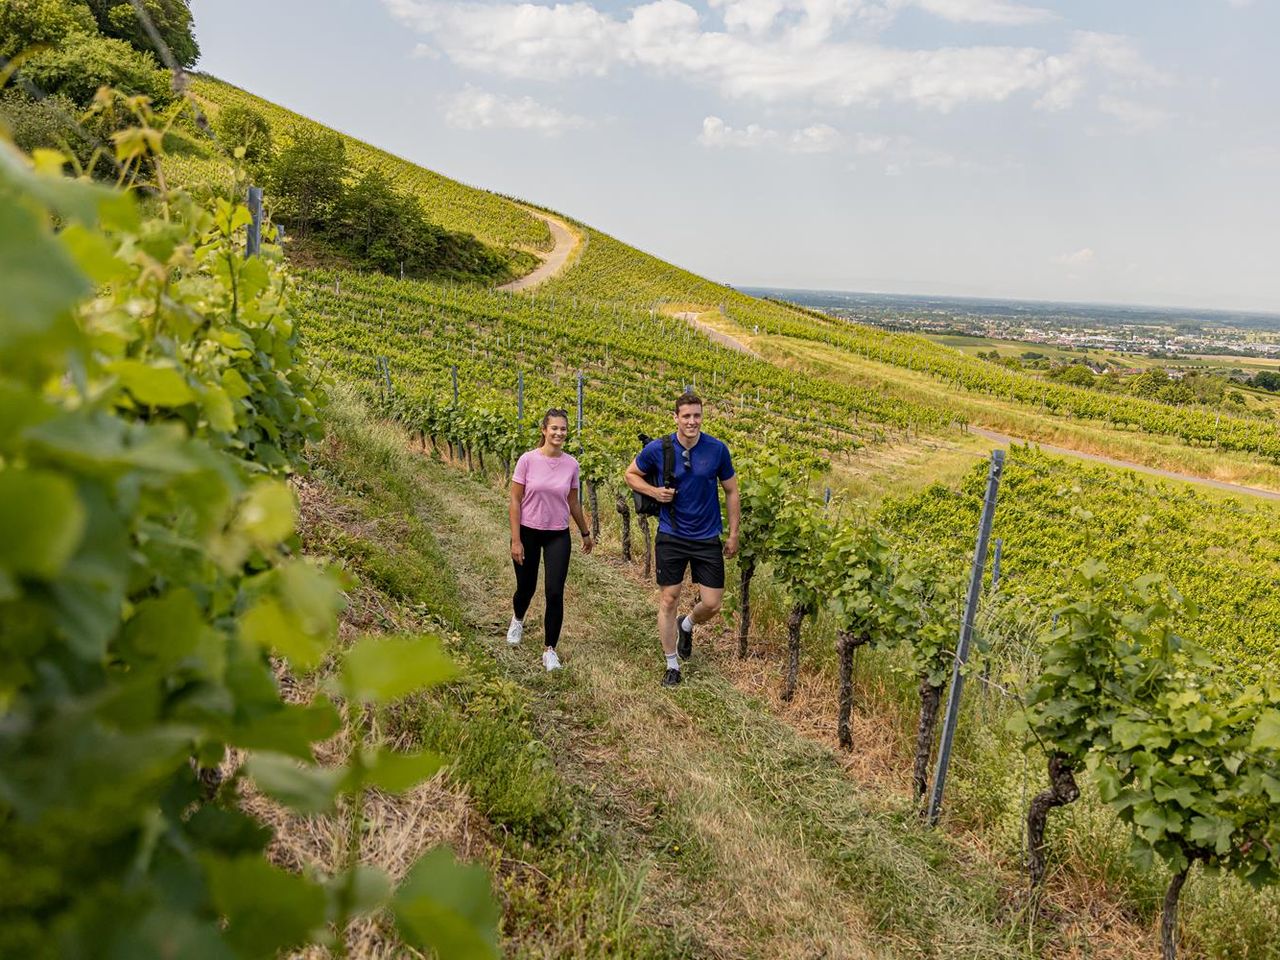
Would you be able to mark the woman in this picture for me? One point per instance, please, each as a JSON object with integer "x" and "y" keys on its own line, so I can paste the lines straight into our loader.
{"x": 544, "y": 494}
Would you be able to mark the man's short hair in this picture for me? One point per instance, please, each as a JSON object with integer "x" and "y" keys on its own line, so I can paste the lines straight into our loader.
{"x": 687, "y": 399}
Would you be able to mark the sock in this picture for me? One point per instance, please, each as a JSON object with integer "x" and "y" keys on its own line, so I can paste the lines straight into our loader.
{"x": 515, "y": 620}
{"x": 687, "y": 623}
{"x": 673, "y": 662}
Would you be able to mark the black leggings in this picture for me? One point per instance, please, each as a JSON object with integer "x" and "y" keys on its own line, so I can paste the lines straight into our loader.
{"x": 555, "y": 545}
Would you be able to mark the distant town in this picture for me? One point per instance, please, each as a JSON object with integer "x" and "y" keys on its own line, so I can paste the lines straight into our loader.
{"x": 1151, "y": 331}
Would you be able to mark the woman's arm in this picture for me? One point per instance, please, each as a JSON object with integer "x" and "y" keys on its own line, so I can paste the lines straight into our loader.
{"x": 515, "y": 501}
{"x": 575, "y": 511}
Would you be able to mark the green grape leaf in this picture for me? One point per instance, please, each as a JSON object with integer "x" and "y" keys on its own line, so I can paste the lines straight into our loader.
{"x": 43, "y": 522}
{"x": 267, "y": 909}
{"x": 306, "y": 789}
{"x": 269, "y": 625}
{"x": 380, "y": 670}
{"x": 372, "y": 889}
{"x": 268, "y": 513}
{"x": 153, "y": 385}
{"x": 292, "y": 730}
{"x": 1266, "y": 735}
{"x": 447, "y": 907}
{"x": 41, "y": 283}
{"x": 42, "y": 519}
{"x": 397, "y": 772}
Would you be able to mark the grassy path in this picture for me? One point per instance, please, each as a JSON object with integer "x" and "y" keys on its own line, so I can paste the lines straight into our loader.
{"x": 743, "y": 838}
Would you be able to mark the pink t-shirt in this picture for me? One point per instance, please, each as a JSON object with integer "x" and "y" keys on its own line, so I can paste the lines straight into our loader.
{"x": 547, "y": 482}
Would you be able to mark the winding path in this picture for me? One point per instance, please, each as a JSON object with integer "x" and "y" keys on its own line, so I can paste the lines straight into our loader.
{"x": 1004, "y": 438}
{"x": 566, "y": 241}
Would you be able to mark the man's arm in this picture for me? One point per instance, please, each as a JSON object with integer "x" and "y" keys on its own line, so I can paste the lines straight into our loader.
{"x": 733, "y": 507}
{"x": 636, "y": 481}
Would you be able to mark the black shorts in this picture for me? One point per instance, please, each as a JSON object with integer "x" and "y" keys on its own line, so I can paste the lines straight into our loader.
{"x": 674, "y": 554}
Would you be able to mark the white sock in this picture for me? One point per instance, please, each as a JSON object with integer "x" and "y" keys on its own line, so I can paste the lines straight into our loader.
{"x": 673, "y": 662}
{"x": 687, "y": 623}
{"x": 514, "y": 621}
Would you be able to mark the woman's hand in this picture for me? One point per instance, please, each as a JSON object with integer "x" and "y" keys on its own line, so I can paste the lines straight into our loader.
{"x": 517, "y": 550}
{"x": 588, "y": 542}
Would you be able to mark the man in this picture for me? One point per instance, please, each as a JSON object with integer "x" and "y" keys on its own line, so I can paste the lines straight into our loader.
{"x": 689, "y": 526}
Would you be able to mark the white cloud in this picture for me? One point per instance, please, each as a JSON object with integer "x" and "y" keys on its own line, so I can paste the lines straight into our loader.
{"x": 997, "y": 12}
{"x": 474, "y": 109}
{"x": 1139, "y": 117}
{"x": 818, "y": 138}
{"x": 1081, "y": 257}
{"x": 717, "y": 133}
{"x": 772, "y": 51}
{"x": 1113, "y": 57}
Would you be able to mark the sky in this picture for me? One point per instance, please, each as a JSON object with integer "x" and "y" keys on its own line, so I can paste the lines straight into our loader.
{"x": 1122, "y": 151}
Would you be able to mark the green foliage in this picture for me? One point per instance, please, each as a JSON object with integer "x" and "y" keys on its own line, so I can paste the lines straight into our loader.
{"x": 171, "y": 18}
{"x": 496, "y": 221}
{"x": 152, "y": 398}
{"x": 1190, "y": 762}
{"x": 242, "y": 126}
{"x": 81, "y": 63}
{"x": 305, "y": 180}
{"x": 25, "y": 24}
{"x": 865, "y": 595}
{"x": 762, "y": 483}
{"x": 1054, "y": 514}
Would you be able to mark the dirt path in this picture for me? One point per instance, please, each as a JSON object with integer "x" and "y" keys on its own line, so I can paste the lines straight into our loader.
{"x": 566, "y": 241}
{"x": 691, "y": 316}
{"x": 1128, "y": 465}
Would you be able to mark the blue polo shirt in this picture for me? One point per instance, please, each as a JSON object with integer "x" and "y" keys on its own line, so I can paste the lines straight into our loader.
{"x": 695, "y": 512}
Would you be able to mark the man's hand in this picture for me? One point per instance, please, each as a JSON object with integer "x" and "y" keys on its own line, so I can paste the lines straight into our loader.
{"x": 517, "y": 551}
{"x": 664, "y": 494}
{"x": 731, "y": 545}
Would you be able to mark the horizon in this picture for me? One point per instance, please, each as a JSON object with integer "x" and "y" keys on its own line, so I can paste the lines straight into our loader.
{"x": 1269, "y": 314}
{"x": 967, "y": 148}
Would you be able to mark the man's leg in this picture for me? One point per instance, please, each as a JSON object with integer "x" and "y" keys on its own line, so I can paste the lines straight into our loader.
{"x": 708, "y": 605}
{"x": 667, "y": 605}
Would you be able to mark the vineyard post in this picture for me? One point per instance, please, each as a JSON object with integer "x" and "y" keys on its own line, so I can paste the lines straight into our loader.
{"x": 579, "y": 411}
{"x": 453, "y": 371}
{"x": 995, "y": 585}
{"x": 520, "y": 400}
{"x": 966, "y": 634}
{"x": 253, "y": 245}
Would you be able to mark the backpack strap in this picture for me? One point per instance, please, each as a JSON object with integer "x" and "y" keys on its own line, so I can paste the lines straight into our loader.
{"x": 669, "y": 472}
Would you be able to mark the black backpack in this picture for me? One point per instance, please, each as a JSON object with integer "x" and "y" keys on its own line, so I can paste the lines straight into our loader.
{"x": 647, "y": 506}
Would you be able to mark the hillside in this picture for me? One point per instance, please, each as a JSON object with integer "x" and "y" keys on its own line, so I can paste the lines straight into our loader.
{"x": 254, "y": 599}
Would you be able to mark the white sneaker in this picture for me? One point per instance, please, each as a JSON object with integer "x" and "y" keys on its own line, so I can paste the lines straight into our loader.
{"x": 550, "y": 660}
{"x": 515, "y": 632}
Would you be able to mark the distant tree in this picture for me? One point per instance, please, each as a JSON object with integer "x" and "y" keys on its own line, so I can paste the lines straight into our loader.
{"x": 1266, "y": 380}
{"x": 28, "y": 23}
{"x": 49, "y": 122}
{"x": 241, "y": 126}
{"x": 172, "y": 20}
{"x": 81, "y": 63}
{"x": 1235, "y": 397}
{"x": 1076, "y": 374}
{"x": 1149, "y": 383}
{"x": 306, "y": 179}
{"x": 377, "y": 225}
